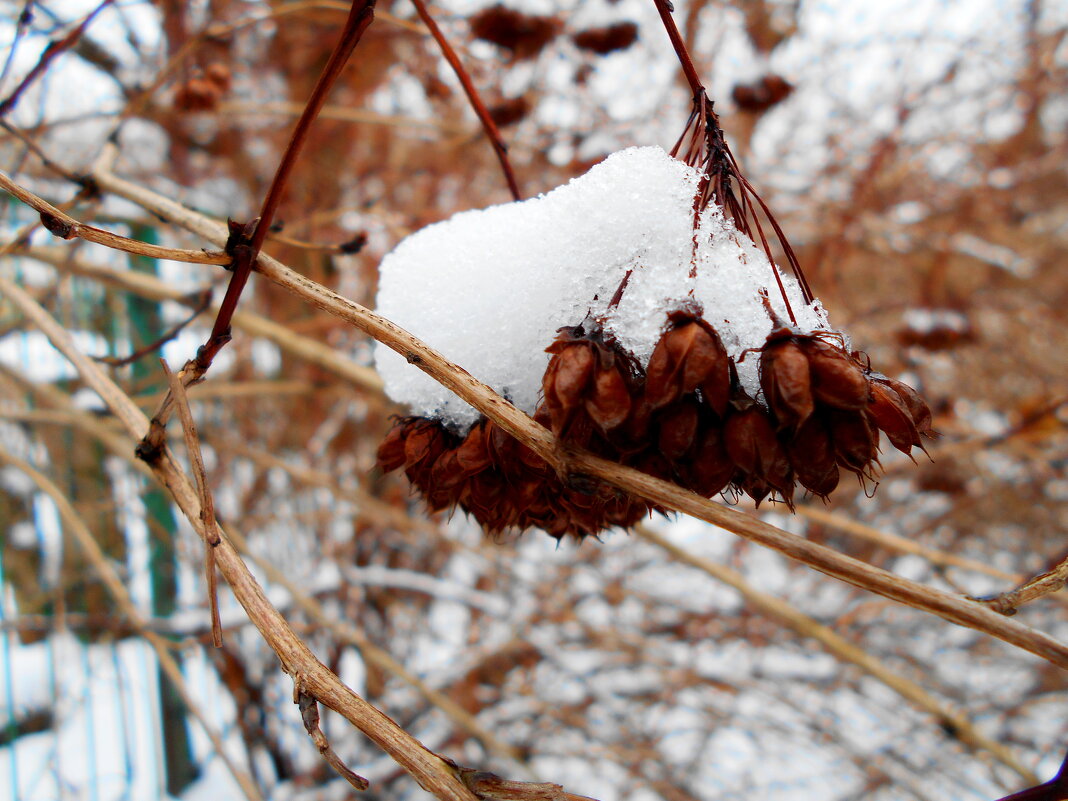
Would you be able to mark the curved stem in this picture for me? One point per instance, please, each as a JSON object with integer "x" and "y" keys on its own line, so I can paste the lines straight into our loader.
{"x": 488, "y": 125}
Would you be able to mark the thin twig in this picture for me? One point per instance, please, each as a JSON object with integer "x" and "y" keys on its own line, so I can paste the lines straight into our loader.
{"x": 1008, "y": 603}
{"x": 309, "y": 713}
{"x": 207, "y": 503}
{"x": 51, "y": 52}
{"x": 488, "y": 125}
{"x": 286, "y": 339}
{"x": 121, "y": 361}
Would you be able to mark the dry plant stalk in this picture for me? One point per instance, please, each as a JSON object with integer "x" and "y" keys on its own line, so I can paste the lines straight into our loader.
{"x": 950, "y": 607}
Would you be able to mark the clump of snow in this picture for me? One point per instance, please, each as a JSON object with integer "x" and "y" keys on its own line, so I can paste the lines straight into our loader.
{"x": 490, "y": 288}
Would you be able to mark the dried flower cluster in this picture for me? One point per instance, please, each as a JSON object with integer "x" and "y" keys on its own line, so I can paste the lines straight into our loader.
{"x": 684, "y": 418}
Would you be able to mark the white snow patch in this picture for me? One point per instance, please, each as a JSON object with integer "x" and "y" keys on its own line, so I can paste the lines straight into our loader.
{"x": 490, "y": 288}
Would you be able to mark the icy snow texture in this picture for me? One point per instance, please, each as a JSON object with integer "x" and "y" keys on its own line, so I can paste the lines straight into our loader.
{"x": 490, "y": 288}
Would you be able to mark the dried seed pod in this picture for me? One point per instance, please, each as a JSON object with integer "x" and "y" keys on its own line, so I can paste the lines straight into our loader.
{"x": 710, "y": 469}
{"x": 678, "y": 429}
{"x": 751, "y": 444}
{"x": 855, "y": 443}
{"x": 391, "y": 451}
{"x": 426, "y": 441}
{"x": 837, "y": 379}
{"x": 688, "y": 356}
{"x": 472, "y": 455}
{"x": 634, "y": 434}
{"x": 609, "y": 401}
{"x": 890, "y": 414}
{"x": 446, "y": 473}
{"x": 813, "y": 457}
{"x": 566, "y": 380}
{"x": 786, "y": 381}
{"x": 918, "y": 409}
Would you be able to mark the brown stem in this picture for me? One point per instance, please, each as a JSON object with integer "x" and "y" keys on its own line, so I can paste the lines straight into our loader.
{"x": 61, "y": 224}
{"x": 488, "y": 125}
{"x": 360, "y": 17}
{"x": 688, "y": 69}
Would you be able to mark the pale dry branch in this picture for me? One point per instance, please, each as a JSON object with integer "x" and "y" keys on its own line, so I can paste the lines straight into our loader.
{"x": 1040, "y": 586}
{"x": 570, "y": 462}
{"x": 61, "y": 224}
{"x": 842, "y": 649}
{"x": 148, "y": 286}
{"x": 347, "y": 633}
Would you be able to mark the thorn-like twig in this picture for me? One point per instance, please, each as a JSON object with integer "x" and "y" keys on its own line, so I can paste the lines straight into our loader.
{"x": 207, "y": 503}
{"x": 309, "y": 713}
{"x": 202, "y": 303}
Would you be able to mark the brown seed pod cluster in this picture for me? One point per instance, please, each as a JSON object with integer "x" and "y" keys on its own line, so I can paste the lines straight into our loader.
{"x": 204, "y": 90}
{"x": 683, "y": 418}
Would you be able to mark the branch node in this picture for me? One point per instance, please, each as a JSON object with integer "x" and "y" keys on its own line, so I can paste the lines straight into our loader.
{"x": 57, "y": 226}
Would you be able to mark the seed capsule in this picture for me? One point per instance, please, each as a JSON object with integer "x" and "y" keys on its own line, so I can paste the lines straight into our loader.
{"x": 837, "y": 380}
{"x": 917, "y": 407}
{"x": 391, "y": 451}
{"x": 711, "y": 469}
{"x": 751, "y": 444}
{"x": 812, "y": 456}
{"x": 609, "y": 404}
{"x": 566, "y": 379}
{"x": 786, "y": 381}
{"x": 855, "y": 444}
{"x": 688, "y": 357}
{"x": 890, "y": 414}
{"x": 678, "y": 429}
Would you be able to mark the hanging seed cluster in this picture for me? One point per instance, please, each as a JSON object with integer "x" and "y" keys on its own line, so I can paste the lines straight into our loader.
{"x": 684, "y": 418}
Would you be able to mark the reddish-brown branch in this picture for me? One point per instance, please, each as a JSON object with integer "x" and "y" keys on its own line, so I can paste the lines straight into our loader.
{"x": 246, "y": 247}
{"x": 50, "y": 53}
{"x": 488, "y": 125}
{"x": 688, "y": 69}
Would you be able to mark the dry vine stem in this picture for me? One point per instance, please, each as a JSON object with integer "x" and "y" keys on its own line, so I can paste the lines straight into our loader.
{"x": 571, "y": 462}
